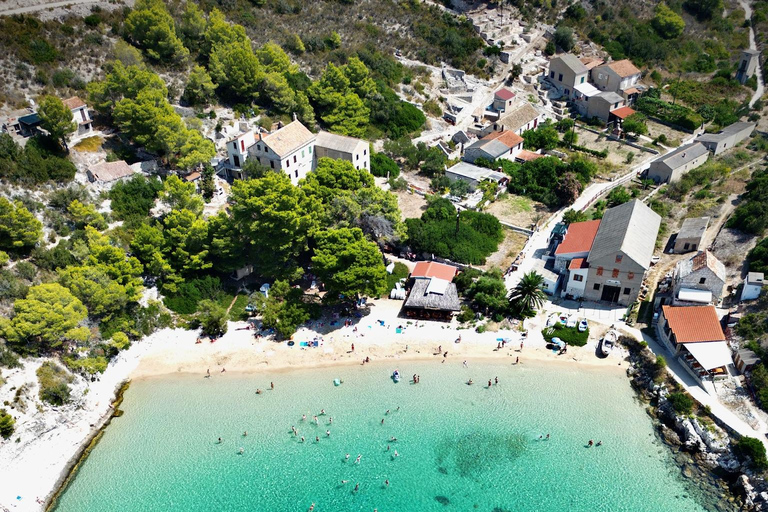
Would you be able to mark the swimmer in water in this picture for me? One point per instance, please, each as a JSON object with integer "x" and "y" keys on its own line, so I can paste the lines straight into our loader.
{"x": 328, "y": 433}
{"x": 357, "y": 487}
{"x": 382, "y": 421}
{"x": 311, "y": 507}
{"x": 393, "y": 439}
{"x": 322, "y": 412}
{"x": 302, "y": 439}
{"x": 317, "y": 439}
{"x": 386, "y": 482}
{"x": 330, "y": 420}
{"x": 357, "y": 460}
{"x": 387, "y": 447}
{"x": 347, "y": 457}
{"x": 315, "y": 419}
{"x": 219, "y": 440}
{"x": 396, "y": 454}
{"x": 245, "y": 434}
{"x": 303, "y": 417}
{"x": 344, "y": 481}
{"x": 241, "y": 451}
{"x": 387, "y": 412}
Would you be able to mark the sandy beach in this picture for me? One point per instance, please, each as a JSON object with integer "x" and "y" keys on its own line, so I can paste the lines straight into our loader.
{"x": 32, "y": 468}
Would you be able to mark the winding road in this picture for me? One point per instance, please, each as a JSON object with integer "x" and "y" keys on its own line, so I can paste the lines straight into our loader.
{"x": 753, "y": 46}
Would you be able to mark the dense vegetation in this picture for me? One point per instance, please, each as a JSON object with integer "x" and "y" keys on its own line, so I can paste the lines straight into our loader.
{"x": 39, "y": 161}
{"x": 466, "y": 237}
{"x": 758, "y": 257}
{"x": 751, "y": 215}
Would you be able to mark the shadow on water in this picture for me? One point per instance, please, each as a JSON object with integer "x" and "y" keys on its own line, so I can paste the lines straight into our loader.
{"x": 472, "y": 455}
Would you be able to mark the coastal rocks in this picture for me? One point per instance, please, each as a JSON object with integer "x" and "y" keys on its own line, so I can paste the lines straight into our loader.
{"x": 692, "y": 440}
{"x": 670, "y": 437}
{"x": 729, "y": 463}
{"x": 712, "y": 435}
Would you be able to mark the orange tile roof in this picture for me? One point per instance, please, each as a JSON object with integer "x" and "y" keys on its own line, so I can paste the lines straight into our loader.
{"x": 692, "y": 324}
{"x": 527, "y": 156}
{"x": 505, "y": 94}
{"x": 73, "y": 102}
{"x": 577, "y": 263}
{"x": 591, "y": 62}
{"x": 631, "y": 90}
{"x": 623, "y": 112}
{"x": 430, "y": 269}
{"x": 624, "y": 68}
{"x": 579, "y": 237}
{"x": 507, "y": 137}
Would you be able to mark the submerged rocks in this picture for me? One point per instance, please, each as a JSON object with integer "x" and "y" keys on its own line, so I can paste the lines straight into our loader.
{"x": 670, "y": 437}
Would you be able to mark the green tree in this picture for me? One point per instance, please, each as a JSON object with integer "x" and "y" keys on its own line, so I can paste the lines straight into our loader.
{"x": 489, "y": 293}
{"x": 334, "y": 40}
{"x": 192, "y": 25}
{"x": 348, "y": 264}
{"x": 220, "y": 32}
{"x": 269, "y": 227}
{"x": 147, "y": 245}
{"x": 617, "y": 196}
{"x": 123, "y": 82}
{"x": 200, "y": 88}
{"x": 236, "y": 71}
{"x": 186, "y": 243}
{"x": 127, "y": 54}
{"x": 56, "y": 119}
{"x": 19, "y": 229}
{"x": 285, "y": 309}
{"x": 564, "y": 37}
{"x": 274, "y": 89}
{"x": 48, "y": 316}
{"x": 7, "y": 424}
{"x": 754, "y": 449}
{"x": 570, "y": 138}
{"x": 86, "y": 215}
{"x": 359, "y": 80}
{"x": 667, "y": 22}
{"x": 570, "y": 216}
{"x": 274, "y": 59}
{"x": 207, "y": 184}
{"x": 178, "y": 194}
{"x": 303, "y": 109}
{"x": 527, "y": 296}
{"x": 213, "y": 318}
{"x": 295, "y": 44}
{"x": 543, "y": 137}
{"x": 150, "y": 27}
{"x": 120, "y": 341}
{"x": 383, "y": 166}
{"x": 635, "y": 123}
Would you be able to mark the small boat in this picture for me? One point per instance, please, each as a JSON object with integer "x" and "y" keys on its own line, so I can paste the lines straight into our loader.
{"x": 571, "y": 322}
{"x": 563, "y": 319}
{"x": 396, "y": 376}
{"x": 583, "y": 325}
{"x": 608, "y": 342}
{"x": 552, "y": 320}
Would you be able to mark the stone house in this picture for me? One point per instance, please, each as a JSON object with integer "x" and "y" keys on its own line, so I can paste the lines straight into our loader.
{"x": 341, "y": 147}
{"x": 600, "y": 105}
{"x": 617, "y": 76}
{"x": 525, "y": 117}
{"x": 621, "y": 253}
{"x": 753, "y": 285}
{"x": 727, "y": 138}
{"x": 80, "y": 115}
{"x": 566, "y": 72}
{"x": 690, "y": 235}
{"x": 702, "y": 272}
{"x": 502, "y": 100}
{"x": 493, "y": 146}
{"x": 473, "y": 175}
{"x": 108, "y": 172}
{"x": 672, "y": 166}
{"x": 747, "y": 65}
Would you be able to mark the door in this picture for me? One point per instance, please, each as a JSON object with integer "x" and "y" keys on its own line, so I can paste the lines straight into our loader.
{"x": 611, "y": 293}
{"x": 236, "y": 159}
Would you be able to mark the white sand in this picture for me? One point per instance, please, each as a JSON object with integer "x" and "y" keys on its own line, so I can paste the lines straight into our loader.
{"x": 49, "y": 439}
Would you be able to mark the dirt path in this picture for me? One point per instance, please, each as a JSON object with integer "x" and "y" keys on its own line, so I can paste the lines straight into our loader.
{"x": 753, "y": 46}
{"x": 9, "y": 8}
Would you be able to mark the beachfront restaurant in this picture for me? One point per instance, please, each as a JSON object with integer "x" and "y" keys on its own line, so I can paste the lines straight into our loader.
{"x": 432, "y": 299}
{"x": 695, "y": 336}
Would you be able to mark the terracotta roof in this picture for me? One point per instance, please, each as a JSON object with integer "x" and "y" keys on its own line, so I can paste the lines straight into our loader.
{"x": 624, "y": 68}
{"x": 110, "y": 171}
{"x": 631, "y": 90}
{"x": 288, "y": 138}
{"x": 192, "y": 176}
{"x": 528, "y": 156}
{"x": 591, "y": 62}
{"x": 579, "y": 237}
{"x": 622, "y": 112}
{"x": 511, "y": 139}
{"x": 430, "y": 269}
{"x": 709, "y": 260}
{"x": 73, "y": 103}
{"x": 692, "y": 324}
{"x": 505, "y": 94}
{"x": 519, "y": 117}
{"x": 577, "y": 263}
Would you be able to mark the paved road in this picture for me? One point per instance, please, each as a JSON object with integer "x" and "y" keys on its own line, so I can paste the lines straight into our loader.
{"x": 753, "y": 46}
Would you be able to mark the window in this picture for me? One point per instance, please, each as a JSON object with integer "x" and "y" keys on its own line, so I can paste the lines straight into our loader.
{"x": 357, "y": 157}
{"x": 630, "y": 275}
{"x": 615, "y": 273}
{"x": 242, "y": 146}
{"x": 627, "y": 290}
{"x": 600, "y": 76}
{"x": 618, "y": 258}
{"x": 702, "y": 280}
{"x": 287, "y": 163}
{"x": 297, "y": 174}
{"x": 365, "y": 151}
{"x": 551, "y": 74}
{"x": 258, "y": 147}
{"x": 560, "y": 77}
{"x": 693, "y": 247}
{"x": 582, "y": 80}
{"x": 310, "y": 149}
{"x": 578, "y": 277}
{"x": 294, "y": 158}
{"x": 237, "y": 160}
{"x": 272, "y": 164}
{"x": 302, "y": 153}
{"x": 599, "y": 271}
{"x": 685, "y": 247}
{"x": 596, "y": 286}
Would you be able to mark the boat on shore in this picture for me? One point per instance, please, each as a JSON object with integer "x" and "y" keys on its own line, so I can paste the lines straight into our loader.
{"x": 608, "y": 342}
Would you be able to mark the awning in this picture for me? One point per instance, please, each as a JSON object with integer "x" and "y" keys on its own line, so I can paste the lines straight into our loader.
{"x": 587, "y": 89}
{"x": 690, "y": 295}
{"x": 437, "y": 286}
{"x": 711, "y": 354}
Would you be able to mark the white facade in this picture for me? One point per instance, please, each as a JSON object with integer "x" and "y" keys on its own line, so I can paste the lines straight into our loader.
{"x": 341, "y": 147}
{"x": 296, "y": 163}
{"x": 237, "y": 149}
{"x": 577, "y": 280}
{"x": 753, "y": 285}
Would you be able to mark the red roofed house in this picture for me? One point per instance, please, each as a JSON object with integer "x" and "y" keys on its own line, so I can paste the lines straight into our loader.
{"x": 694, "y": 334}
{"x": 80, "y": 114}
{"x": 502, "y": 100}
{"x": 618, "y": 76}
{"x": 576, "y": 243}
{"x": 430, "y": 269}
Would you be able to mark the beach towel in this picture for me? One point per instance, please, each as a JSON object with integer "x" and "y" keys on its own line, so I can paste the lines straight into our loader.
{"x": 303, "y": 344}
{"x": 398, "y": 330}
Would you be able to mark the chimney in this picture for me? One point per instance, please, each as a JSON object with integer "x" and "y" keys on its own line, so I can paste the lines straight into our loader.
{"x": 295, "y": 117}
{"x": 260, "y": 133}
{"x": 243, "y": 126}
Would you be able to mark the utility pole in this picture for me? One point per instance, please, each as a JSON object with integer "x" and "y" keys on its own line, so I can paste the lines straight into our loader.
{"x": 457, "y": 225}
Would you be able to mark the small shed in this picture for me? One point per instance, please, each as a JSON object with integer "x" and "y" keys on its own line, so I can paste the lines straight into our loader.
{"x": 690, "y": 235}
{"x": 753, "y": 285}
{"x": 108, "y": 172}
{"x": 745, "y": 360}
{"x": 432, "y": 299}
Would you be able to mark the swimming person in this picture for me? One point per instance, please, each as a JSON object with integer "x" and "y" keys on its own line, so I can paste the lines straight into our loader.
{"x": 357, "y": 487}
{"x": 387, "y": 447}
{"x": 322, "y": 412}
{"x": 347, "y": 457}
{"x": 387, "y": 411}
{"x": 599, "y": 443}
{"x": 469, "y": 382}
{"x": 357, "y": 460}
{"x": 245, "y": 434}
{"x": 489, "y": 383}
{"x": 241, "y": 450}
{"x": 303, "y": 417}
{"x": 330, "y": 420}
{"x": 302, "y": 439}
{"x": 396, "y": 454}
{"x": 315, "y": 420}
{"x": 219, "y": 440}
{"x": 258, "y": 391}
{"x": 547, "y": 436}
{"x": 497, "y": 381}
{"x": 311, "y": 507}
{"x": 590, "y": 443}
{"x": 386, "y": 482}
{"x": 327, "y": 433}
{"x": 344, "y": 481}
{"x": 382, "y": 421}
{"x": 465, "y": 364}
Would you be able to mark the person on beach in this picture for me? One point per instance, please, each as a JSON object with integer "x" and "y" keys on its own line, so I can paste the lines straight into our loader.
{"x": 446, "y": 354}
{"x": 521, "y": 346}
{"x": 517, "y": 361}
{"x": 209, "y": 372}
{"x": 465, "y": 364}
{"x": 272, "y": 386}
{"x": 258, "y": 391}
{"x": 469, "y": 382}
{"x": 353, "y": 345}
{"x": 414, "y": 379}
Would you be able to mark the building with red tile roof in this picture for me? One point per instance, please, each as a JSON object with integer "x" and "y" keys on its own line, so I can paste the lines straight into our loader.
{"x": 430, "y": 269}
{"x": 578, "y": 239}
{"x": 693, "y": 324}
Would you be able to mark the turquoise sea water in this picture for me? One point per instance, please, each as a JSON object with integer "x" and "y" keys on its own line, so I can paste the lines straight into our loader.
{"x": 460, "y": 447}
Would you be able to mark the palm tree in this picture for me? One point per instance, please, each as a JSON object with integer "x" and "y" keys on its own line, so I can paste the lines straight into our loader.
{"x": 527, "y": 296}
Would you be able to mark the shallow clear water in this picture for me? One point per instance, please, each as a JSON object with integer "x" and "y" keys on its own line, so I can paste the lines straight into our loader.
{"x": 460, "y": 447}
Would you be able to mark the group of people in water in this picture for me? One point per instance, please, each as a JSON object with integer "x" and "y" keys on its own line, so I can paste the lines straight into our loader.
{"x": 491, "y": 382}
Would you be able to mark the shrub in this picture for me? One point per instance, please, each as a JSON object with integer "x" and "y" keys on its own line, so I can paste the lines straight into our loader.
{"x": 570, "y": 335}
{"x": 382, "y": 165}
{"x": 681, "y": 402}
{"x": 86, "y": 365}
{"x": 754, "y": 450}
{"x": 134, "y": 198}
{"x": 190, "y": 293}
{"x": 54, "y": 383}
{"x": 6, "y": 424}
{"x": 399, "y": 272}
{"x": 466, "y": 315}
{"x": 8, "y": 358}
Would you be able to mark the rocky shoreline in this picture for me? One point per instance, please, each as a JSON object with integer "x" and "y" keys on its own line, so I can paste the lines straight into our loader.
{"x": 702, "y": 449}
